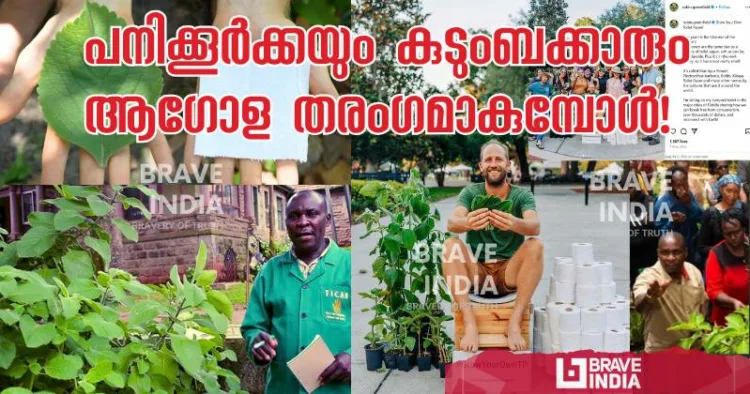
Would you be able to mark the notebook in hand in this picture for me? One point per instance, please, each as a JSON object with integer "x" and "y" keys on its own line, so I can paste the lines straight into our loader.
{"x": 310, "y": 363}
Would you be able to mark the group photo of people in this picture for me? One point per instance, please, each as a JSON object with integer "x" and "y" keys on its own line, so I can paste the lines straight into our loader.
{"x": 689, "y": 248}
{"x": 596, "y": 80}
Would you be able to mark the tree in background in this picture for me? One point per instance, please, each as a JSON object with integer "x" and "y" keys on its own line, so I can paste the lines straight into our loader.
{"x": 387, "y": 22}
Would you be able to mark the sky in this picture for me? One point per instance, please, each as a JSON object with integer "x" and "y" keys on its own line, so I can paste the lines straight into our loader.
{"x": 487, "y": 14}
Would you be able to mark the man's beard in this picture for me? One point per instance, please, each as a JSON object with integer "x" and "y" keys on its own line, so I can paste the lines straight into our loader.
{"x": 495, "y": 182}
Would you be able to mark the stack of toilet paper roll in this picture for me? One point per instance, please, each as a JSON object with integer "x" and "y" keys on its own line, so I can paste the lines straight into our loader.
{"x": 582, "y": 311}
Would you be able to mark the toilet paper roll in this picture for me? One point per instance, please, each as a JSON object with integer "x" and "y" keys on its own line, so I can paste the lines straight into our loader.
{"x": 605, "y": 271}
{"x": 551, "y": 292}
{"x": 583, "y": 253}
{"x": 540, "y": 317}
{"x": 623, "y": 312}
{"x": 587, "y": 275}
{"x": 608, "y": 292}
{"x": 565, "y": 292}
{"x": 546, "y": 343}
{"x": 620, "y": 297}
{"x": 554, "y": 348}
{"x": 565, "y": 269}
{"x": 592, "y": 341}
{"x": 570, "y": 318}
{"x": 553, "y": 317}
{"x": 613, "y": 317}
{"x": 570, "y": 341}
{"x": 616, "y": 341}
{"x": 537, "y": 344}
{"x": 588, "y": 296}
{"x": 593, "y": 320}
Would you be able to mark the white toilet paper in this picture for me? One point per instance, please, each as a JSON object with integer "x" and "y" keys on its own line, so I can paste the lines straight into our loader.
{"x": 616, "y": 341}
{"x": 614, "y": 318}
{"x": 605, "y": 271}
{"x": 551, "y": 291}
{"x": 553, "y": 317}
{"x": 554, "y": 348}
{"x": 570, "y": 341}
{"x": 588, "y": 296}
{"x": 565, "y": 292}
{"x": 570, "y": 318}
{"x": 546, "y": 343}
{"x": 587, "y": 275}
{"x": 623, "y": 312}
{"x": 565, "y": 269}
{"x": 608, "y": 293}
{"x": 537, "y": 341}
{"x": 583, "y": 253}
{"x": 593, "y": 320}
{"x": 592, "y": 341}
{"x": 540, "y": 316}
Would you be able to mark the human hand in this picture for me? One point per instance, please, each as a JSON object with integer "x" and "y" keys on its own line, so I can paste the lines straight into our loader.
{"x": 264, "y": 347}
{"x": 479, "y": 219}
{"x": 737, "y": 304}
{"x": 503, "y": 221}
{"x": 678, "y": 217}
{"x": 340, "y": 369}
{"x": 656, "y": 289}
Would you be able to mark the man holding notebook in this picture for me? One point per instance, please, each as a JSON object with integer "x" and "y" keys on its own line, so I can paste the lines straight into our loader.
{"x": 299, "y": 295}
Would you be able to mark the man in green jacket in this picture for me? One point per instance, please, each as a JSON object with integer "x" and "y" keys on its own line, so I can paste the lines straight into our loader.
{"x": 299, "y": 294}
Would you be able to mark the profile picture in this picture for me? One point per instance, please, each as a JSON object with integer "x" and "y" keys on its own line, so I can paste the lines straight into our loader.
{"x": 673, "y": 7}
{"x": 673, "y": 24}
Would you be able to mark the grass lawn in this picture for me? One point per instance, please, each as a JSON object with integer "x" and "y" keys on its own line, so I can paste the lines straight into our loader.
{"x": 441, "y": 193}
{"x": 236, "y": 293}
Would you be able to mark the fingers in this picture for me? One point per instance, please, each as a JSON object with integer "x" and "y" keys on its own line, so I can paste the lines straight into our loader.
{"x": 263, "y": 353}
{"x": 54, "y": 158}
{"x": 119, "y": 167}
{"x": 338, "y": 375}
{"x": 18, "y": 22}
{"x": 329, "y": 371}
{"x": 162, "y": 153}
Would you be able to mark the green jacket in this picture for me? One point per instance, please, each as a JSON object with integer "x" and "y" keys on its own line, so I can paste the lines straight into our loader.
{"x": 294, "y": 310}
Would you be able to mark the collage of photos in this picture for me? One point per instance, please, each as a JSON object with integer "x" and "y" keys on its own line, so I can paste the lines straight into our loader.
{"x": 212, "y": 262}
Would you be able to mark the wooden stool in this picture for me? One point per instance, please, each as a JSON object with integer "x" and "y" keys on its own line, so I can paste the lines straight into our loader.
{"x": 492, "y": 323}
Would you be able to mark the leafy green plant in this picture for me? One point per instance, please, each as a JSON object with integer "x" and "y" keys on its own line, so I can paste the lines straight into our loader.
{"x": 734, "y": 338}
{"x": 636, "y": 330}
{"x": 272, "y": 248}
{"x": 66, "y": 80}
{"x": 71, "y": 324}
{"x": 491, "y": 202}
{"x": 377, "y": 323}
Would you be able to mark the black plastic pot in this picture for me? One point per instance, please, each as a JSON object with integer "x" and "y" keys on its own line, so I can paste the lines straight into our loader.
{"x": 442, "y": 370}
{"x": 390, "y": 360}
{"x": 374, "y": 357}
{"x": 403, "y": 362}
{"x": 434, "y": 355}
{"x": 424, "y": 362}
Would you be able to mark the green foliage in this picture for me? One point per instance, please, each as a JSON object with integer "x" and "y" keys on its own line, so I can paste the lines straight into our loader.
{"x": 491, "y": 202}
{"x": 734, "y": 338}
{"x": 272, "y": 248}
{"x": 18, "y": 172}
{"x": 61, "y": 330}
{"x": 66, "y": 80}
{"x": 637, "y": 324}
{"x": 407, "y": 262}
{"x": 361, "y": 202}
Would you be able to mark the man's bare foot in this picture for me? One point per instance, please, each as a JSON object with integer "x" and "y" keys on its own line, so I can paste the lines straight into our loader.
{"x": 515, "y": 338}
{"x": 470, "y": 340}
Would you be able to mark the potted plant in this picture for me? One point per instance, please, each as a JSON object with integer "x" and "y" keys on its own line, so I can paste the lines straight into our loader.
{"x": 374, "y": 347}
{"x": 389, "y": 354}
{"x": 404, "y": 345}
{"x": 447, "y": 359}
{"x": 438, "y": 337}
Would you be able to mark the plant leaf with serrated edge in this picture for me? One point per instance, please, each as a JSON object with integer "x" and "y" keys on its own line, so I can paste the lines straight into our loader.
{"x": 36, "y": 241}
{"x": 66, "y": 81}
{"x": 99, "y": 207}
{"x": 127, "y": 230}
{"x": 101, "y": 247}
{"x": 77, "y": 264}
{"x": 67, "y": 219}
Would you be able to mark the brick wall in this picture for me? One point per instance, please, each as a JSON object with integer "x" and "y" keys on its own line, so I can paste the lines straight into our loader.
{"x": 167, "y": 240}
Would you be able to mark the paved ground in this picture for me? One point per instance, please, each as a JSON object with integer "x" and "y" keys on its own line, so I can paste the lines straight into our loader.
{"x": 565, "y": 220}
{"x": 574, "y": 148}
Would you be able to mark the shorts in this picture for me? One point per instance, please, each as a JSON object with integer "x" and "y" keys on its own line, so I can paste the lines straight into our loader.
{"x": 496, "y": 271}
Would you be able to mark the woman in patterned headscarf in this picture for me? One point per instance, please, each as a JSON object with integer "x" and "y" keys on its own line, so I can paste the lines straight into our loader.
{"x": 729, "y": 186}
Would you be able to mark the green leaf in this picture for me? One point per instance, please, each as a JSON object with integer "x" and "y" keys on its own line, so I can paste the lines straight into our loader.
{"x": 391, "y": 276}
{"x": 35, "y": 335}
{"x": 141, "y": 384}
{"x": 743, "y": 347}
{"x": 410, "y": 342}
{"x": 9, "y": 317}
{"x": 42, "y": 219}
{"x": 188, "y": 353}
{"x": 67, "y": 219}
{"x": 200, "y": 259}
{"x": 409, "y": 239}
{"x": 174, "y": 276}
{"x": 220, "y": 321}
{"x": 229, "y": 355}
{"x": 80, "y": 191}
{"x": 220, "y": 301}
{"x": 35, "y": 368}
{"x": 87, "y": 387}
{"x": 101, "y": 247}
{"x": 115, "y": 379}
{"x": 206, "y": 278}
{"x": 36, "y": 241}
{"x": 99, "y": 207}
{"x": 66, "y": 80}
{"x": 78, "y": 265}
{"x": 7, "y": 352}
{"x": 126, "y": 229}
{"x": 370, "y": 189}
{"x": 16, "y": 390}
{"x": 70, "y": 307}
{"x": 147, "y": 191}
{"x": 35, "y": 289}
{"x": 128, "y": 202}
{"x": 163, "y": 364}
{"x": 63, "y": 366}
{"x": 64, "y": 203}
{"x": 102, "y": 327}
{"x": 194, "y": 295}
{"x": 144, "y": 311}
{"x": 85, "y": 288}
{"x": 9, "y": 255}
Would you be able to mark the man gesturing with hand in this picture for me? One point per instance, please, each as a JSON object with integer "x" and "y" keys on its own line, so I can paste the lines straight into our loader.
{"x": 299, "y": 294}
